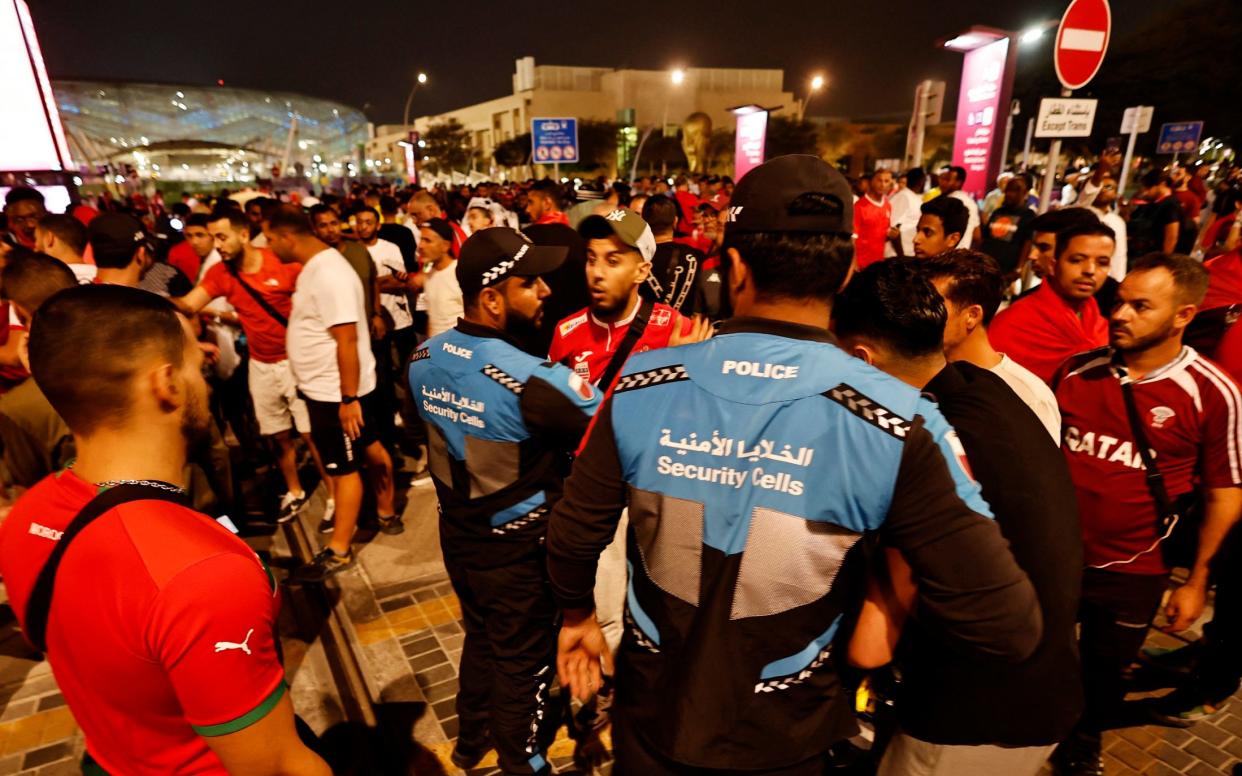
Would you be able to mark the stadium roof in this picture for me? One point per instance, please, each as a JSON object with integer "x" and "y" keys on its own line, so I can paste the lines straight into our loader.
{"x": 109, "y": 121}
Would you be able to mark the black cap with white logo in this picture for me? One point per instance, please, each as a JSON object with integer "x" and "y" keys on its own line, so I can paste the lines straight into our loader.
{"x": 494, "y": 255}
{"x": 117, "y": 234}
{"x": 795, "y": 193}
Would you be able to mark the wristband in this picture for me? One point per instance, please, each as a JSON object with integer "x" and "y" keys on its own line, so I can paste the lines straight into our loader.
{"x": 348, "y": 399}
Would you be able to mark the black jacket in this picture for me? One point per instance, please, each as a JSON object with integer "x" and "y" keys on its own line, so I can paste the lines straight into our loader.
{"x": 948, "y": 697}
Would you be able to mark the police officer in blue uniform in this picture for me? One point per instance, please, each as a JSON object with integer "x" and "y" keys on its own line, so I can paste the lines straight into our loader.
{"x": 753, "y": 465}
{"x": 501, "y": 426}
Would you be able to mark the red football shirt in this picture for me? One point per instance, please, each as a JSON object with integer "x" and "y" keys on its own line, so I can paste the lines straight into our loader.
{"x": 183, "y": 257}
{"x": 275, "y": 281}
{"x": 585, "y": 344}
{"x": 1192, "y": 415}
{"x": 161, "y": 630}
{"x": 1224, "y": 280}
{"x": 871, "y": 224}
{"x": 10, "y": 326}
{"x": 1041, "y": 330}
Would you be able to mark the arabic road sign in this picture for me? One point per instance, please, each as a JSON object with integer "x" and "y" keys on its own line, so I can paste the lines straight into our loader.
{"x": 554, "y": 140}
{"x": 1137, "y": 119}
{"x": 1065, "y": 117}
{"x": 1179, "y": 138}
{"x": 1082, "y": 40}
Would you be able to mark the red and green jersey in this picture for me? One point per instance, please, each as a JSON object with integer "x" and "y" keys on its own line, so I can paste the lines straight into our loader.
{"x": 161, "y": 629}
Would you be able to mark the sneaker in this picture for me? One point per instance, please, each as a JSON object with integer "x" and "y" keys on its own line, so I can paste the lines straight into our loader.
{"x": 290, "y": 506}
{"x": 1183, "y": 707}
{"x": 420, "y": 461}
{"x": 1178, "y": 660}
{"x": 466, "y": 756}
{"x": 326, "y": 522}
{"x": 326, "y": 564}
{"x": 391, "y": 525}
{"x": 1078, "y": 757}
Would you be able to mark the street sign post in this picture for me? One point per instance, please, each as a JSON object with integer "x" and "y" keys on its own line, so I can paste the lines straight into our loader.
{"x": 1065, "y": 117}
{"x": 1136, "y": 121}
{"x": 1082, "y": 40}
{"x": 1179, "y": 138}
{"x": 554, "y": 140}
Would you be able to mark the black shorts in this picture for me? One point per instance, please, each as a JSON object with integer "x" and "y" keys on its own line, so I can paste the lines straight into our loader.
{"x": 340, "y": 454}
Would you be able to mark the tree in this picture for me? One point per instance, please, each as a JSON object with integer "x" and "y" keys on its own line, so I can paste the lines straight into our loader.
{"x": 513, "y": 152}
{"x": 786, "y": 136}
{"x": 720, "y": 151}
{"x": 448, "y": 146}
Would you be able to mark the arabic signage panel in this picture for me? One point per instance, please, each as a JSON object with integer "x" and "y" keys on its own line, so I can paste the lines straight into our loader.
{"x": 554, "y": 140}
{"x": 1137, "y": 119}
{"x": 980, "y": 120}
{"x": 1179, "y": 138}
{"x": 1065, "y": 117}
{"x": 752, "y": 133}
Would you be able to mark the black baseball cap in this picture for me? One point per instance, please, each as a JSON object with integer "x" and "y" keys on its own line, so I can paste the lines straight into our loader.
{"x": 117, "y": 234}
{"x": 795, "y": 193}
{"x": 493, "y": 255}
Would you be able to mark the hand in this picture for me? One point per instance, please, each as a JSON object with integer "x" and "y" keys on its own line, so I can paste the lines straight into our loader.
{"x": 894, "y": 233}
{"x": 1184, "y": 606}
{"x": 581, "y": 650}
{"x": 211, "y": 353}
{"x": 351, "y": 419}
{"x": 378, "y": 329}
{"x": 416, "y": 280}
{"x": 700, "y": 329}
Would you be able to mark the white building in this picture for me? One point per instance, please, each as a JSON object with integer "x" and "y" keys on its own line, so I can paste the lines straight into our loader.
{"x": 640, "y": 98}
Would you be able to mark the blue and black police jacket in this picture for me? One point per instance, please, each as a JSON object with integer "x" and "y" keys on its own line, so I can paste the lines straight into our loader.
{"x": 501, "y": 425}
{"x": 753, "y": 464}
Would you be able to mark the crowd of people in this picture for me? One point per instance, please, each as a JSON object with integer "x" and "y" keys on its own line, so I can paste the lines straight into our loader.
{"x": 713, "y": 459}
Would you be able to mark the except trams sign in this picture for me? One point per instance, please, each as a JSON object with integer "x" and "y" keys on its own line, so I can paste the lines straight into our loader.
{"x": 1065, "y": 117}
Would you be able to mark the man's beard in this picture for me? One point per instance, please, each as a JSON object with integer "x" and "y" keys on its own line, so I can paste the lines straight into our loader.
{"x": 196, "y": 427}
{"x": 1149, "y": 341}
{"x": 522, "y": 329}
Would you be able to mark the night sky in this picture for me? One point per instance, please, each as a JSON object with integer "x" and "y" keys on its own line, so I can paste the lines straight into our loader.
{"x": 365, "y": 54}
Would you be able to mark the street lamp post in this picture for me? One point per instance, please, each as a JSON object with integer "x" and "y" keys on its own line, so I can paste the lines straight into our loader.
{"x": 675, "y": 78}
{"x": 817, "y": 83}
{"x": 419, "y": 81}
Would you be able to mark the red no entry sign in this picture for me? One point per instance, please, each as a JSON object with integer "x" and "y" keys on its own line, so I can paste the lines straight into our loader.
{"x": 1082, "y": 40}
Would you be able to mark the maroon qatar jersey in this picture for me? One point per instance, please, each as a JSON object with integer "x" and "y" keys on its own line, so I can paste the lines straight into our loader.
{"x": 1191, "y": 412}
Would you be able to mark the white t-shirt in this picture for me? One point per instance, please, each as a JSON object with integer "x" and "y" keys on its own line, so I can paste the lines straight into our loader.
{"x": 1116, "y": 267}
{"x": 85, "y": 273}
{"x": 328, "y": 294}
{"x": 443, "y": 295}
{"x": 1035, "y": 392}
{"x": 973, "y": 209}
{"x": 388, "y": 260}
{"x": 907, "y": 207}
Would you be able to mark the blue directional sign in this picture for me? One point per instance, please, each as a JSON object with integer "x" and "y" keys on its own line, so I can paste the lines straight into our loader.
{"x": 1179, "y": 138}
{"x": 554, "y": 141}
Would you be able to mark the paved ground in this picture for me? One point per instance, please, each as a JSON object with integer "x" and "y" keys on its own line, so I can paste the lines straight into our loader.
{"x": 404, "y": 622}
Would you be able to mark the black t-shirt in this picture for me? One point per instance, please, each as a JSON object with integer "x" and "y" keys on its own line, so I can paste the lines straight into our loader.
{"x": 1005, "y": 233}
{"x": 950, "y": 699}
{"x": 676, "y": 278}
{"x": 1147, "y": 222}
{"x": 403, "y": 238}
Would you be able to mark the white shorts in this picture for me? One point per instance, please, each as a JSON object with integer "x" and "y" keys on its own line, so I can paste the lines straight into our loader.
{"x": 275, "y": 395}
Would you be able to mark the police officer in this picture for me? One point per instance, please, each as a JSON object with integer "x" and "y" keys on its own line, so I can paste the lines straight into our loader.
{"x": 501, "y": 424}
{"x": 752, "y": 464}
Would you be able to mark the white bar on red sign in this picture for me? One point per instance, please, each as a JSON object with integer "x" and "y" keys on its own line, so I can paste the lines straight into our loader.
{"x": 1074, "y": 39}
